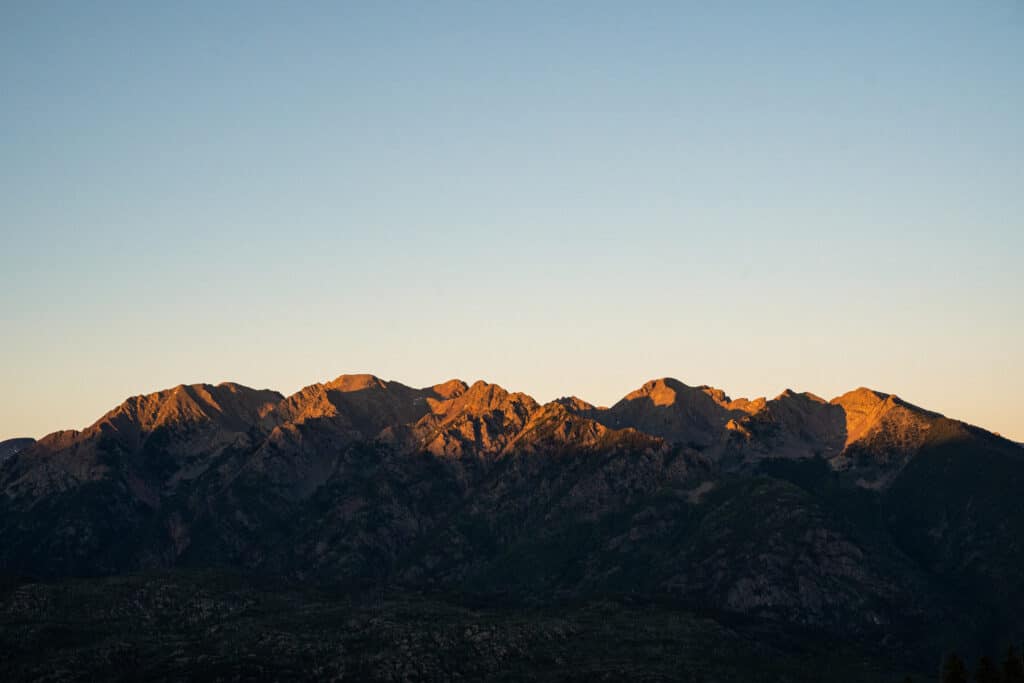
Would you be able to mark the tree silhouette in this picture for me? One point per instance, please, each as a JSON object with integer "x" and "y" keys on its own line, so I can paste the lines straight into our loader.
{"x": 1013, "y": 667}
{"x": 954, "y": 670}
{"x": 987, "y": 671}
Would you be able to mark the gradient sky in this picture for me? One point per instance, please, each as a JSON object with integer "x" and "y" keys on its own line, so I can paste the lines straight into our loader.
{"x": 558, "y": 197}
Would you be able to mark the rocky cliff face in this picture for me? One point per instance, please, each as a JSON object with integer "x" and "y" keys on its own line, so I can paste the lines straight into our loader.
{"x": 854, "y": 514}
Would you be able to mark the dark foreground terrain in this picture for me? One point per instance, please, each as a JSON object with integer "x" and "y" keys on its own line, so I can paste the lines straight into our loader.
{"x": 215, "y": 626}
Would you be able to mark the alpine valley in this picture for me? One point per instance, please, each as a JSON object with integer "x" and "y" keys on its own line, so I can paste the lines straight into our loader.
{"x": 364, "y": 529}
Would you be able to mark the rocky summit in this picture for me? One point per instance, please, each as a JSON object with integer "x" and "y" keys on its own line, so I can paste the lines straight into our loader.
{"x": 862, "y": 520}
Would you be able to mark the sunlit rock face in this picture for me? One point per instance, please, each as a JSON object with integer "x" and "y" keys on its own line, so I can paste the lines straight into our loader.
{"x": 851, "y": 514}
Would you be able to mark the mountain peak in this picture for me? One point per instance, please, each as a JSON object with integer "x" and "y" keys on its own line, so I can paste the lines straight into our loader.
{"x": 677, "y": 412}
{"x": 574, "y": 404}
{"x": 661, "y": 392}
{"x": 483, "y": 396}
{"x": 360, "y": 406}
{"x": 883, "y": 432}
{"x": 231, "y": 405}
{"x": 481, "y": 419}
{"x": 450, "y": 389}
{"x": 666, "y": 391}
{"x": 862, "y": 407}
{"x": 799, "y": 395}
{"x": 357, "y": 382}
{"x": 863, "y": 393}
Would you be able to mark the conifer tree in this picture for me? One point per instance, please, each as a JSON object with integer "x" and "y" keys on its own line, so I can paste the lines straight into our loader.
{"x": 1013, "y": 667}
{"x": 987, "y": 672}
{"x": 954, "y": 670}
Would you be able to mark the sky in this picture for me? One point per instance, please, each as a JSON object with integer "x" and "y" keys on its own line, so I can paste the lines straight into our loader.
{"x": 563, "y": 198}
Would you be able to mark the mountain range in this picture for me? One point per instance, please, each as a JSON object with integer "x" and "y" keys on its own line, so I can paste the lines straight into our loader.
{"x": 862, "y": 516}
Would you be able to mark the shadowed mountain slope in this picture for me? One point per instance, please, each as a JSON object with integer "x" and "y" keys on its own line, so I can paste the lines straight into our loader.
{"x": 12, "y": 446}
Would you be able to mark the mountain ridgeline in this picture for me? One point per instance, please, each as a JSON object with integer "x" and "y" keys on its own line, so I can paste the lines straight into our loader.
{"x": 861, "y": 515}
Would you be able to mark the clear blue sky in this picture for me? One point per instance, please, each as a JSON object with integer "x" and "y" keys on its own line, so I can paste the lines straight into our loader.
{"x": 560, "y": 197}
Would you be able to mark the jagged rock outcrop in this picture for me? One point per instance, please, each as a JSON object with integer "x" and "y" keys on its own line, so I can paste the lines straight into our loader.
{"x": 479, "y": 421}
